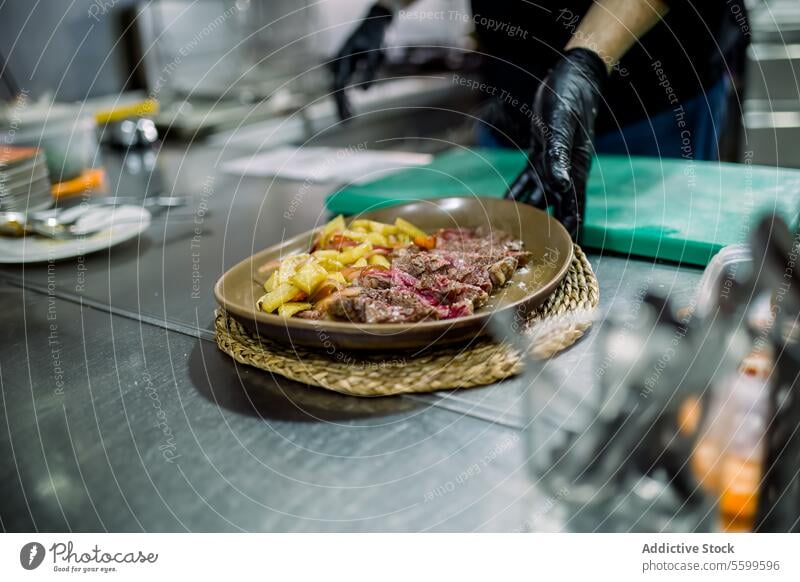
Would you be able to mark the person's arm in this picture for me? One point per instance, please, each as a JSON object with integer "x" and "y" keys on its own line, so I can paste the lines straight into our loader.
{"x": 611, "y": 27}
{"x": 566, "y": 104}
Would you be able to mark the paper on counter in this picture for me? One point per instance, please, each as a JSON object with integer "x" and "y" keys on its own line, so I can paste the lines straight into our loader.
{"x": 319, "y": 164}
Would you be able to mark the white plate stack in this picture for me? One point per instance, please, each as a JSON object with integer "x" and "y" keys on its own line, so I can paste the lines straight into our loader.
{"x": 24, "y": 180}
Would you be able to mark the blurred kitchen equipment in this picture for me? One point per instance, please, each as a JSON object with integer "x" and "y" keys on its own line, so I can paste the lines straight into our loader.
{"x": 775, "y": 251}
{"x": 725, "y": 265}
{"x": 755, "y": 471}
{"x": 771, "y": 107}
{"x": 318, "y": 116}
{"x": 24, "y": 179}
{"x": 119, "y": 111}
{"x": 65, "y": 133}
{"x": 189, "y": 48}
{"x": 613, "y": 459}
{"x": 676, "y": 438}
{"x": 128, "y": 125}
{"x": 130, "y": 133}
{"x": 605, "y": 459}
{"x": 221, "y": 64}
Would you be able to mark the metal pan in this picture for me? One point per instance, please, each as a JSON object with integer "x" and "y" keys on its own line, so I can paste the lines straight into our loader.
{"x": 237, "y": 290}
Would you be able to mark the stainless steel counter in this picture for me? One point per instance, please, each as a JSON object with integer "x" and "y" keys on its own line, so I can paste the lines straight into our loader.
{"x": 119, "y": 412}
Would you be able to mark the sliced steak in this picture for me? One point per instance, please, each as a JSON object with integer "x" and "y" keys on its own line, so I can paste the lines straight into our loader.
{"x": 417, "y": 262}
{"x": 451, "y": 280}
{"x": 492, "y": 245}
{"x": 383, "y": 306}
{"x": 441, "y": 290}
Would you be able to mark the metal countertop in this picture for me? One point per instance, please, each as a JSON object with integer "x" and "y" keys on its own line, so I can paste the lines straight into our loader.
{"x": 125, "y": 416}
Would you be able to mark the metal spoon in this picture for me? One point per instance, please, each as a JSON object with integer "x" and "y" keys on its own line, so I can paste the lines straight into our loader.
{"x": 55, "y": 226}
{"x": 154, "y": 204}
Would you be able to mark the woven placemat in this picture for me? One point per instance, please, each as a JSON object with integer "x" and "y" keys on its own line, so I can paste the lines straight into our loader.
{"x": 554, "y": 326}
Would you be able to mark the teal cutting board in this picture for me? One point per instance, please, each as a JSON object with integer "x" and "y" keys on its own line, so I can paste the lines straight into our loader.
{"x": 678, "y": 210}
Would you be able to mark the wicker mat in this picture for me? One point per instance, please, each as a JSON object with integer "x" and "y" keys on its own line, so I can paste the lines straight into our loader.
{"x": 554, "y": 326}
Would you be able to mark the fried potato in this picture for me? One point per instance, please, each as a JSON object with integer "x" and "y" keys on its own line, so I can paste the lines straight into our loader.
{"x": 338, "y": 278}
{"x": 289, "y": 266}
{"x": 351, "y": 255}
{"x": 355, "y": 235}
{"x": 326, "y": 254}
{"x": 331, "y": 265}
{"x": 399, "y": 239}
{"x": 337, "y": 224}
{"x": 409, "y": 229}
{"x": 382, "y": 228}
{"x": 380, "y": 261}
{"x": 309, "y": 277}
{"x": 373, "y": 226}
{"x": 361, "y": 223}
{"x": 283, "y": 293}
{"x": 270, "y": 283}
{"x": 378, "y": 239}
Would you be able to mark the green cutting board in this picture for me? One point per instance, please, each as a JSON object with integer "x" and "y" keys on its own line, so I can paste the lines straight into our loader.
{"x": 678, "y": 210}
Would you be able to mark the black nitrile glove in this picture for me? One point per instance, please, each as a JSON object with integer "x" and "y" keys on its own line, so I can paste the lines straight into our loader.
{"x": 562, "y": 129}
{"x": 362, "y": 51}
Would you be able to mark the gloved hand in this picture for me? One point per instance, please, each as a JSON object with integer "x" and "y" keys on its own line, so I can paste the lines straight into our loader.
{"x": 363, "y": 51}
{"x": 562, "y": 129}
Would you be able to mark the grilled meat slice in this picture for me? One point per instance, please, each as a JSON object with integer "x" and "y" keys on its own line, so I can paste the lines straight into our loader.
{"x": 492, "y": 245}
{"x": 396, "y": 305}
{"x": 375, "y": 278}
{"x": 467, "y": 268}
{"x": 418, "y": 263}
{"x": 441, "y": 290}
{"x": 451, "y": 280}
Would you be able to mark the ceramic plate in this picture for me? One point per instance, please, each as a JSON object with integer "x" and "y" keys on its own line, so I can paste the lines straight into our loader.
{"x": 543, "y": 236}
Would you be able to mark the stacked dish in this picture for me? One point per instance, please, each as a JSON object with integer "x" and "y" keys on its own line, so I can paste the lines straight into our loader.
{"x": 24, "y": 180}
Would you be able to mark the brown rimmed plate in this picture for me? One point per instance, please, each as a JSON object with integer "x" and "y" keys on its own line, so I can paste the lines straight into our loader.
{"x": 239, "y": 288}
